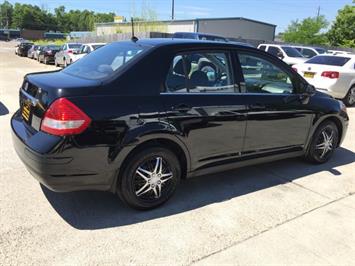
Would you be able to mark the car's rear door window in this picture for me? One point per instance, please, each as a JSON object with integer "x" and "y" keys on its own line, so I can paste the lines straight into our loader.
{"x": 263, "y": 76}
{"x": 201, "y": 72}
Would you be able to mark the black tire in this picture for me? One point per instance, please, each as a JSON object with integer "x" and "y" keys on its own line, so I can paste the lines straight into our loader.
{"x": 349, "y": 99}
{"x": 130, "y": 182}
{"x": 315, "y": 152}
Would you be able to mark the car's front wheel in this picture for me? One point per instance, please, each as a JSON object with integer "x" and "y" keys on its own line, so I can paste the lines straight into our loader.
{"x": 323, "y": 143}
{"x": 150, "y": 178}
{"x": 349, "y": 99}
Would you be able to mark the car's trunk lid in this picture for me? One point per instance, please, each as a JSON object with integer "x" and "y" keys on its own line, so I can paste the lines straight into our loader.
{"x": 39, "y": 90}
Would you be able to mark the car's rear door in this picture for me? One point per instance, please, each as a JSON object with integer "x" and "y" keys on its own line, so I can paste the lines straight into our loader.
{"x": 278, "y": 120}
{"x": 202, "y": 103}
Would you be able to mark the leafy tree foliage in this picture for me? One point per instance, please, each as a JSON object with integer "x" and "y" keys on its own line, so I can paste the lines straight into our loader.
{"x": 25, "y": 16}
{"x": 307, "y": 31}
{"x": 342, "y": 31}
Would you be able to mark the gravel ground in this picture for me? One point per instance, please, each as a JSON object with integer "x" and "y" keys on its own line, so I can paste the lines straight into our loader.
{"x": 286, "y": 212}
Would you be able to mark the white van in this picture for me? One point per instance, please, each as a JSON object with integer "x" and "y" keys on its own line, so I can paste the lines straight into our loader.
{"x": 286, "y": 53}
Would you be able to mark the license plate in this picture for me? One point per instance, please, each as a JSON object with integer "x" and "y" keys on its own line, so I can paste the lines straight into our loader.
{"x": 26, "y": 111}
{"x": 309, "y": 74}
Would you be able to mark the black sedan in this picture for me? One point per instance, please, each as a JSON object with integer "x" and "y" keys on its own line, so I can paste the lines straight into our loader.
{"x": 46, "y": 55}
{"x": 135, "y": 118}
{"x": 23, "y": 48}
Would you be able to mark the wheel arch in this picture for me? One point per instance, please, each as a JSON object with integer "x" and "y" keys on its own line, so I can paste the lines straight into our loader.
{"x": 337, "y": 121}
{"x": 166, "y": 140}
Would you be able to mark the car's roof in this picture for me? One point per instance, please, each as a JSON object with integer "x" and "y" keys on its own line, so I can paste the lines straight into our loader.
{"x": 183, "y": 42}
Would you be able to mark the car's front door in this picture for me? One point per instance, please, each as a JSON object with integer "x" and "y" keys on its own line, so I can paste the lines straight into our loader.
{"x": 203, "y": 105}
{"x": 278, "y": 118}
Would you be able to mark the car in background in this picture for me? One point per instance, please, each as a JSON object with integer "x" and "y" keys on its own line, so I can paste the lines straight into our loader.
{"x": 136, "y": 117}
{"x": 85, "y": 49}
{"x": 47, "y": 54}
{"x": 199, "y": 36}
{"x": 309, "y": 52}
{"x": 23, "y": 48}
{"x": 284, "y": 52}
{"x": 37, "y": 51}
{"x": 336, "y": 52}
{"x": 332, "y": 74}
{"x": 66, "y": 54}
{"x": 31, "y": 51}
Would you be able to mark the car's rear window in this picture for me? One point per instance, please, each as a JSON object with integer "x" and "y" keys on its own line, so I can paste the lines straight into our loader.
{"x": 320, "y": 50}
{"x": 328, "y": 60}
{"x": 74, "y": 46}
{"x": 105, "y": 61}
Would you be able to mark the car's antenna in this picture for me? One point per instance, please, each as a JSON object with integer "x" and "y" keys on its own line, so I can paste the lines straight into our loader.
{"x": 133, "y": 38}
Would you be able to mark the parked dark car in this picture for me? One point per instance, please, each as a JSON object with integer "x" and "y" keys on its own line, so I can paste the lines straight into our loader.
{"x": 46, "y": 55}
{"x": 134, "y": 118}
{"x": 23, "y": 48}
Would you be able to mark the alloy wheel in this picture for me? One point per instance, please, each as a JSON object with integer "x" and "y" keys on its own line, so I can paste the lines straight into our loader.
{"x": 351, "y": 96}
{"x": 152, "y": 179}
{"x": 325, "y": 143}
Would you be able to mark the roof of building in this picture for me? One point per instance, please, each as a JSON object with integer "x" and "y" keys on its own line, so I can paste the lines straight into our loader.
{"x": 189, "y": 20}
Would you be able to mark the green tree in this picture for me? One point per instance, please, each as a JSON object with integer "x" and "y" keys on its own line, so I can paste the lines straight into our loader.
{"x": 6, "y": 11}
{"x": 342, "y": 31}
{"x": 307, "y": 31}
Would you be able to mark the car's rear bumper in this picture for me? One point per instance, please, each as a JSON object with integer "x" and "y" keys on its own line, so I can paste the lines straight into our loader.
{"x": 59, "y": 171}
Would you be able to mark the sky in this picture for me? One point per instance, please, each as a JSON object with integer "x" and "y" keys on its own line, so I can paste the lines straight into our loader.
{"x": 278, "y": 12}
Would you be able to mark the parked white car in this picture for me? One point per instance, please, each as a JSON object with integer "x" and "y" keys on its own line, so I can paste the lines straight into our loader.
{"x": 85, "y": 49}
{"x": 66, "y": 54}
{"x": 285, "y": 52}
{"x": 332, "y": 74}
{"x": 336, "y": 52}
{"x": 309, "y": 52}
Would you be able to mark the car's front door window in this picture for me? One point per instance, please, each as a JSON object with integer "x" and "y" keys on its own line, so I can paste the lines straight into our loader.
{"x": 262, "y": 76}
{"x": 201, "y": 72}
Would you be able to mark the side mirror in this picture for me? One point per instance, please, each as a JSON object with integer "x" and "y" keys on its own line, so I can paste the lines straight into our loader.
{"x": 280, "y": 55}
{"x": 309, "y": 90}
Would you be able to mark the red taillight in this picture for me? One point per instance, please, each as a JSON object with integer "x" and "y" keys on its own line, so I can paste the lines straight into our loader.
{"x": 70, "y": 51}
{"x": 330, "y": 74}
{"x": 294, "y": 69}
{"x": 64, "y": 118}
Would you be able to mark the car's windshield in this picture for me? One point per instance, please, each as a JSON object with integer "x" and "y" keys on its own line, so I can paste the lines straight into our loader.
{"x": 105, "y": 61}
{"x": 54, "y": 47}
{"x": 291, "y": 52}
{"x": 74, "y": 45}
{"x": 320, "y": 50}
{"x": 328, "y": 60}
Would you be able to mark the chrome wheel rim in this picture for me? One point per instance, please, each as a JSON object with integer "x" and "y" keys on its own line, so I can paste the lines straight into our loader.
{"x": 153, "y": 178}
{"x": 351, "y": 97}
{"x": 325, "y": 142}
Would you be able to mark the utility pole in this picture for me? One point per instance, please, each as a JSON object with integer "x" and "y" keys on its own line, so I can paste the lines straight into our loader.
{"x": 318, "y": 12}
{"x": 172, "y": 10}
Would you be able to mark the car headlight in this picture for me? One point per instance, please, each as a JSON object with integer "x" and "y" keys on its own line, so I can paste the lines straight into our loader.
{"x": 342, "y": 106}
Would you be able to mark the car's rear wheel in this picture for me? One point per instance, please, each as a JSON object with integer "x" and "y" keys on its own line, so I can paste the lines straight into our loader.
{"x": 150, "y": 178}
{"x": 324, "y": 142}
{"x": 349, "y": 99}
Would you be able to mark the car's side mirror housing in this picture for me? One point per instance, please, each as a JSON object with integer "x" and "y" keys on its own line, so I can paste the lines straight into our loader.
{"x": 280, "y": 55}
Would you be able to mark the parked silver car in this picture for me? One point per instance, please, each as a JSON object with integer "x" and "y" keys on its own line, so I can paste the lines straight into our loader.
{"x": 66, "y": 54}
{"x": 37, "y": 51}
{"x": 31, "y": 52}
